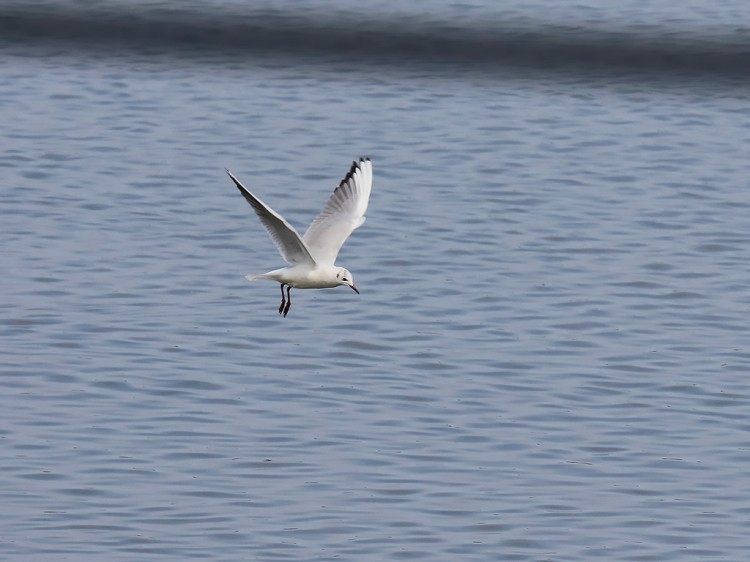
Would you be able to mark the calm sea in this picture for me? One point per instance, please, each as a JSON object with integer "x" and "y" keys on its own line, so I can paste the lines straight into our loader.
{"x": 549, "y": 359}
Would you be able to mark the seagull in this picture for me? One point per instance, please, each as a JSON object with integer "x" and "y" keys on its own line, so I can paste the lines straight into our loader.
{"x": 312, "y": 257}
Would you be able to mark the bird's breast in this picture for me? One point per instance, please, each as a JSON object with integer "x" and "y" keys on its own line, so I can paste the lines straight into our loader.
{"x": 317, "y": 278}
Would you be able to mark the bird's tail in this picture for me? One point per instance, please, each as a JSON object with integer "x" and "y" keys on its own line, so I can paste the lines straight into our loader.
{"x": 276, "y": 275}
{"x": 259, "y": 276}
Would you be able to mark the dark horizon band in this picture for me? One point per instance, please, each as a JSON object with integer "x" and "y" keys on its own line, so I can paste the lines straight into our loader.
{"x": 393, "y": 43}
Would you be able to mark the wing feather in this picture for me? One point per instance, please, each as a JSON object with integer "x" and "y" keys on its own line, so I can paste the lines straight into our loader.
{"x": 344, "y": 212}
{"x": 286, "y": 238}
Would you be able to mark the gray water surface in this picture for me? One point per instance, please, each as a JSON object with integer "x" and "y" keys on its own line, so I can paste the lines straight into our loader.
{"x": 548, "y": 361}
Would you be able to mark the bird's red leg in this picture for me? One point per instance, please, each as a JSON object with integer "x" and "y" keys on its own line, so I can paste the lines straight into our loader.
{"x": 283, "y": 302}
{"x": 288, "y": 300}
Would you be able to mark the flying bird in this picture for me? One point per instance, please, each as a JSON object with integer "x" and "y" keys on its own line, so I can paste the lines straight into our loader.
{"x": 312, "y": 257}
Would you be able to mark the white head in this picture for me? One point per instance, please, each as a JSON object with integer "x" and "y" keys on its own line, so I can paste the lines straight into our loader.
{"x": 344, "y": 277}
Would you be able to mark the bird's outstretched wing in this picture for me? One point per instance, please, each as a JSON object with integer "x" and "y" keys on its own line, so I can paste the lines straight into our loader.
{"x": 344, "y": 212}
{"x": 289, "y": 243}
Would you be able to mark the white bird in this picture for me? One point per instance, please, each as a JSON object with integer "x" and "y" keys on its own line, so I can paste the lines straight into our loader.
{"x": 311, "y": 257}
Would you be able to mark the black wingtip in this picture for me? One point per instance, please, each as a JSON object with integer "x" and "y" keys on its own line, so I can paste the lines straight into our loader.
{"x": 353, "y": 169}
{"x": 355, "y": 166}
{"x": 235, "y": 180}
{"x": 242, "y": 189}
